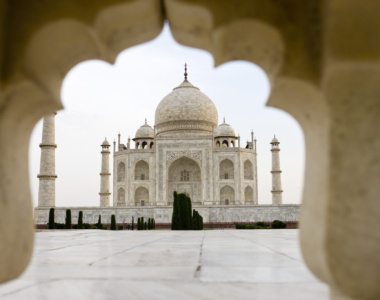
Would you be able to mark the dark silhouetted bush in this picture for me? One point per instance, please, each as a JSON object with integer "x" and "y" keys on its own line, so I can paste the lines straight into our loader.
{"x": 68, "y": 219}
{"x": 51, "y": 219}
{"x": 277, "y": 224}
{"x": 113, "y": 222}
{"x": 80, "y": 220}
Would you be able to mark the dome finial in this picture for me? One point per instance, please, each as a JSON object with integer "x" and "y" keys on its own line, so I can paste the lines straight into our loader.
{"x": 185, "y": 71}
{"x": 224, "y": 120}
{"x": 145, "y": 121}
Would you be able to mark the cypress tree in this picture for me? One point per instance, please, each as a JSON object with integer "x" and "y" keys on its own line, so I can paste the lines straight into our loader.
{"x": 145, "y": 226}
{"x": 154, "y": 223}
{"x": 68, "y": 219}
{"x": 175, "y": 215}
{"x": 183, "y": 209}
{"x": 99, "y": 224}
{"x": 80, "y": 220}
{"x": 142, "y": 223}
{"x": 188, "y": 214}
{"x": 138, "y": 223}
{"x": 113, "y": 222}
{"x": 51, "y": 218}
{"x": 133, "y": 225}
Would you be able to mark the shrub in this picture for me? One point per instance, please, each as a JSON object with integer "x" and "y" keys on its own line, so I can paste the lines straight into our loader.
{"x": 113, "y": 222}
{"x": 86, "y": 226}
{"x": 261, "y": 224}
{"x": 120, "y": 227}
{"x": 94, "y": 227}
{"x": 51, "y": 219}
{"x": 278, "y": 224}
{"x": 75, "y": 226}
{"x": 145, "y": 226}
{"x": 68, "y": 219}
{"x": 104, "y": 227}
{"x": 80, "y": 220}
{"x": 133, "y": 225}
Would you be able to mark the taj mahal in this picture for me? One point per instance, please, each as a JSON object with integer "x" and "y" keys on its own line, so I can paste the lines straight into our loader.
{"x": 185, "y": 151}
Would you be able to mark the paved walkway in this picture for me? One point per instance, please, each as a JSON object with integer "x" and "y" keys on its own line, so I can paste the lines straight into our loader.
{"x": 210, "y": 264}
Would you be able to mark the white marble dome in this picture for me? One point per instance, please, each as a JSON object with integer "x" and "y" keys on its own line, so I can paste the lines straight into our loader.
{"x": 186, "y": 108}
{"x": 145, "y": 131}
{"x": 224, "y": 130}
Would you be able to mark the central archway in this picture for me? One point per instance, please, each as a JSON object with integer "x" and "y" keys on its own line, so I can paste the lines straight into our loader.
{"x": 184, "y": 176}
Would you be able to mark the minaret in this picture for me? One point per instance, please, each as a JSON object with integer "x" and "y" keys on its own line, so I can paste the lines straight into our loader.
{"x": 47, "y": 176}
{"x": 105, "y": 175}
{"x": 276, "y": 173}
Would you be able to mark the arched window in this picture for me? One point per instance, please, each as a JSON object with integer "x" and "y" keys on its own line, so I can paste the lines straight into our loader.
{"x": 120, "y": 196}
{"x": 141, "y": 196}
{"x": 144, "y": 144}
{"x": 151, "y": 145}
{"x": 233, "y": 144}
{"x": 226, "y": 169}
{"x": 185, "y": 175}
{"x": 217, "y": 144}
{"x": 137, "y": 145}
{"x": 248, "y": 194}
{"x": 121, "y": 172}
{"x": 225, "y": 144}
{"x": 227, "y": 195}
{"x": 248, "y": 170}
{"x": 142, "y": 170}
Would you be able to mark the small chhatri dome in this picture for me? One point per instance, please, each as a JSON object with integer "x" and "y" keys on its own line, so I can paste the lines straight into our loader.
{"x": 105, "y": 143}
{"x": 145, "y": 131}
{"x": 186, "y": 110}
{"x": 275, "y": 141}
{"x": 224, "y": 129}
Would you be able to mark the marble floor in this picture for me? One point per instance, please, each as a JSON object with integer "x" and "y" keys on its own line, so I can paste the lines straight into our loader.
{"x": 209, "y": 264}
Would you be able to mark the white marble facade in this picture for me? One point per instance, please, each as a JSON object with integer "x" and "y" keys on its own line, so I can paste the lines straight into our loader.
{"x": 187, "y": 152}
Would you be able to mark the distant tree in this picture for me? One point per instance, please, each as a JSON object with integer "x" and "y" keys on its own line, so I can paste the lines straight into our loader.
{"x": 68, "y": 219}
{"x": 154, "y": 223}
{"x": 138, "y": 223}
{"x": 99, "y": 224}
{"x": 145, "y": 226}
{"x": 176, "y": 212}
{"x": 113, "y": 222}
{"x": 80, "y": 220}
{"x": 142, "y": 223}
{"x": 51, "y": 218}
{"x": 133, "y": 225}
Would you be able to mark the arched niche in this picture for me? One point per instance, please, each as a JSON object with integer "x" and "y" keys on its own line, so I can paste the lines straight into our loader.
{"x": 248, "y": 170}
{"x": 120, "y": 172}
{"x": 142, "y": 170}
{"x": 226, "y": 169}
{"x": 248, "y": 194}
{"x": 120, "y": 196}
{"x": 184, "y": 176}
{"x": 227, "y": 195}
{"x": 141, "y": 196}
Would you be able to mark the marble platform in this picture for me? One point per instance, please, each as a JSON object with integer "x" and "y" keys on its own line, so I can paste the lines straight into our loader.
{"x": 209, "y": 264}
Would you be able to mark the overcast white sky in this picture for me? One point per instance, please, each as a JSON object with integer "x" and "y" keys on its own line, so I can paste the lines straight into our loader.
{"x": 102, "y": 100}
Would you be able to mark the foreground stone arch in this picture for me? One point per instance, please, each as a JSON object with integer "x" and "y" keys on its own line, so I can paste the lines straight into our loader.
{"x": 329, "y": 84}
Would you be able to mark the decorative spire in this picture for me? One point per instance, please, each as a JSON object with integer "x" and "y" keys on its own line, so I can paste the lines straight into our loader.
{"x": 145, "y": 121}
{"x": 224, "y": 120}
{"x": 185, "y": 71}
